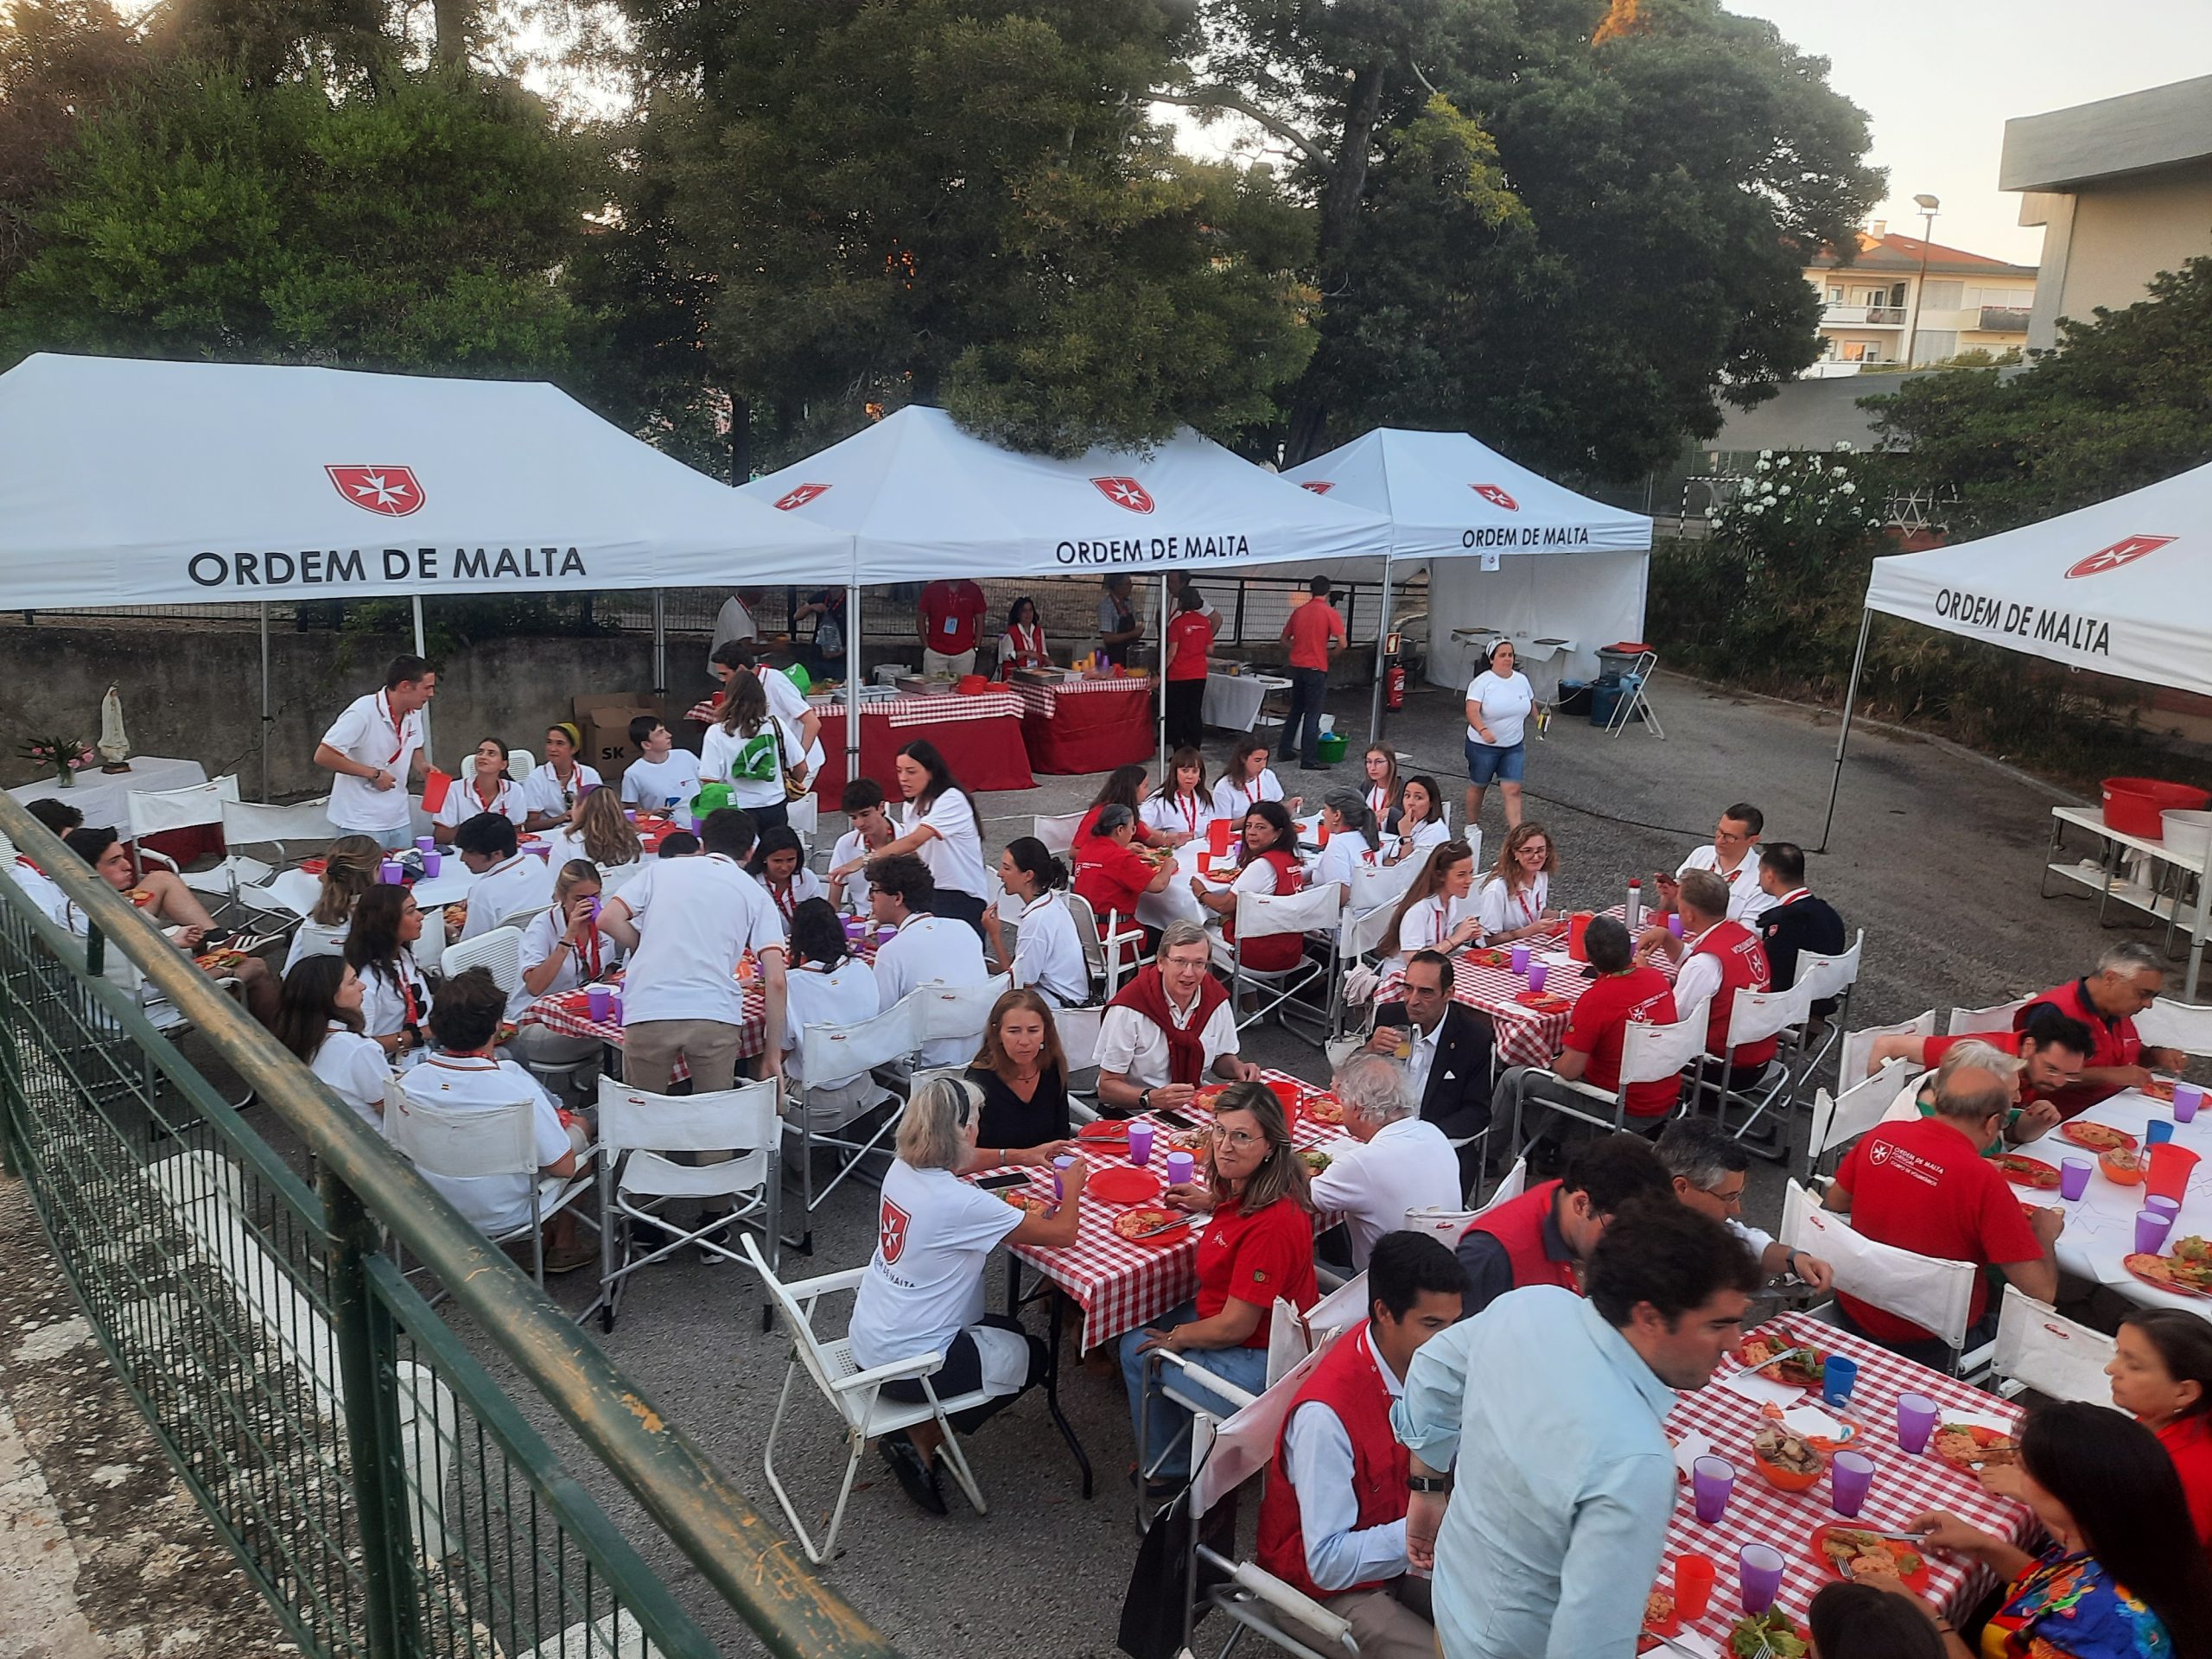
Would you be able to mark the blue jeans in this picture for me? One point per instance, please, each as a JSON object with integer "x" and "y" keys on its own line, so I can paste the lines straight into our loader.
{"x": 1246, "y": 1368}
{"x": 1488, "y": 763}
{"x": 1309, "y": 689}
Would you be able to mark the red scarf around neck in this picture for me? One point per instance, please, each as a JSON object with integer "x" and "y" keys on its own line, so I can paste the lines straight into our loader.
{"x": 1186, "y": 1054}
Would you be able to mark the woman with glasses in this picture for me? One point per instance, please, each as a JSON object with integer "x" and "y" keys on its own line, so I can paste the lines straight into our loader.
{"x": 1515, "y": 902}
{"x": 1499, "y": 701}
{"x": 395, "y": 994}
{"x": 1257, "y": 1246}
{"x": 922, "y": 1290}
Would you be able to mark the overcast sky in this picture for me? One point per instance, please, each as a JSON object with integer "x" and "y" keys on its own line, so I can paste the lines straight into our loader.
{"x": 1939, "y": 78}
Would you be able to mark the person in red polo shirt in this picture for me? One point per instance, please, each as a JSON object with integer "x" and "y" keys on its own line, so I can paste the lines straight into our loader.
{"x": 1719, "y": 958}
{"x": 2129, "y": 976}
{"x": 949, "y": 615}
{"x": 2051, "y": 1049}
{"x": 1108, "y": 872}
{"x": 2161, "y": 1374}
{"x": 1544, "y": 1236}
{"x": 1333, "y": 1517}
{"x": 1314, "y": 634}
{"x": 1190, "y": 638}
{"x": 1925, "y": 1187}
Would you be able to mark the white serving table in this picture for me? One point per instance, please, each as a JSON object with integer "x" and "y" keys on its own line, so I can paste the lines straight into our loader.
{"x": 2143, "y": 874}
{"x": 104, "y": 797}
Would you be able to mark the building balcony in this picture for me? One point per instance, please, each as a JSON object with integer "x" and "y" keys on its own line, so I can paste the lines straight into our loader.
{"x": 2004, "y": 320}
{"x": 1863, "y": 316}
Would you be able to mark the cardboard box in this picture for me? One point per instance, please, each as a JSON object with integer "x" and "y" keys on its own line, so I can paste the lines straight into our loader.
{"x": 604, "y": 717}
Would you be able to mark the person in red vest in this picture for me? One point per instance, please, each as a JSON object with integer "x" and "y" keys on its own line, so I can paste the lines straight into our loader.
{"x": 1269, "y": 866}
{"x": 1718, "y": 958}
{"x": 2129, "y": 976}
{"x": 1544, "y": 1236}
{"x": 1332, "y": 1518}
{"x": 1170, "y": 1030}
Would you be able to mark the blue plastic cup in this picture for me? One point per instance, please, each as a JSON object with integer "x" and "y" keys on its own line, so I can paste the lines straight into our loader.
{"x": 2160, "y": 1129}
{"x": 1839, "y": 1377}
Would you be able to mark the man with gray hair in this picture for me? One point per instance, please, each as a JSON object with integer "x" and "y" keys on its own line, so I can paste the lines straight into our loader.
{"x": 2129, "y": 976}
{"x": 1710, "y": 1168}
{"x": 1925, "y": 1187}
{"x": 1170, "y": 1029}
{"x": 1399, "y": 1160}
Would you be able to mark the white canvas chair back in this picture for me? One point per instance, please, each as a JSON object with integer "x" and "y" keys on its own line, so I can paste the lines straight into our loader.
{"x": 1374, "y": 885}
{"x": 2038, "y": 1349}
{"x": 1821, "y": 977}
{"x": 1366, "y": 931}
{"x": 1263, "y": 915}
{"x": 1079, "y": 1033}
{"x": 1967, "y": 1022}
{"x": 462, "y": 1143}
{"x": 2168, "y": 1024}
{"x": 153, "y": 811}
{"x": 1933, "y": 1293}
{"x": 247, "y": 824}
{"x": 520, "y": 919}
{"x": 741, "y": 1120}
{"x": 958, "y": 1011}
{"x": 1447, "y": 1227}
{"x": 1244, "y": 1442}
{"x": 1341, "y": 1309}
{"x": 501, "y": 951}
{"x": 1288, "y": 1342}
{"x": 1649, "y": 1053}
{"x": 1838, "y": 1120}
{"x": 804, "y": 817}
{"x": 1859, "y": 1046}
{"x": 833, "y": 1054}
{"x": 520, "y": 764}
{"x": 1058, "y": 831}
{"x": 798, "y": 1325}
{"x": 1514, "y": 1184}
{"x": 1756, "y": 1015}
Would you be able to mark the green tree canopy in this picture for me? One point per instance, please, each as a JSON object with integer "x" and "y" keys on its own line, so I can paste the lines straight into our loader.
{"x": 962, "y": 201}
{"x": 2124, "y": 401}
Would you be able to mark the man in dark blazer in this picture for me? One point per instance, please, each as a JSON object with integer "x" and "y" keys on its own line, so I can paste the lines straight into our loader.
{"x": 1445, "y": 1047}
{"x": 1797, "y": 923}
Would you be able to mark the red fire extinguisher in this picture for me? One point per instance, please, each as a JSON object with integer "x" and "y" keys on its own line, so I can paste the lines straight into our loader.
{"x": 1394, "y": 677}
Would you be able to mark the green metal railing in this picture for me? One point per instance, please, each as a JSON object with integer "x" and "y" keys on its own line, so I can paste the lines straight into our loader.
{"x": 382, "y": 1489}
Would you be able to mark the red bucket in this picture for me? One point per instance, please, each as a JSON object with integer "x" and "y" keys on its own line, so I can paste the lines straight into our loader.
{"x": 2131, "y": 805}
{"x": 2170, "y": 1168}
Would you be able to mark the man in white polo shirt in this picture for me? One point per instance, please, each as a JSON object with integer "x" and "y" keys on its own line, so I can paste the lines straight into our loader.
{"x": 374, "y": 748}
{"x": 1398, "y": 1161}
{"x": 1171, "y": 1028}
{"x": 506, "y": 879}
{"x": 927, "y": 949}
{"x": 685, "y": 923}
{"x": 1733, "y": 855}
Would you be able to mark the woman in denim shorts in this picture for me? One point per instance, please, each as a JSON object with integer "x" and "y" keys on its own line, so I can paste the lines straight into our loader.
{"x": 1499, "y": 700}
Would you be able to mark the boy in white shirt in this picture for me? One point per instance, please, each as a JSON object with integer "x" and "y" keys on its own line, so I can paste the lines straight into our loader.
{"x": 374, "y": 748}
{"x": 663, "y": 775}
{"x": 862, "y": 803}
{"x": 927, "y": 951}
{"x": 506, "y": 879}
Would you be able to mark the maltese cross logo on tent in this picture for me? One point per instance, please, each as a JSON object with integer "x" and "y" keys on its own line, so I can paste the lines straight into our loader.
{"x": 2124, "y": 551}
{"x": 1496, "y": 495}
{"x": 1319, "y": 486}
{"x": 800, "y": 495}
{"x": 392, "y": 491}
{"x": 1125, "y": 492}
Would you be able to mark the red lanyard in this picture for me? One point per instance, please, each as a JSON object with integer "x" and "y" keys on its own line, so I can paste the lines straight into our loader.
{"x": 1190, "y": 810}
{"x": 1437, "y": 932}
{"x": 588, "y": 964}
{"x": 1529, "y": 908}
{"x": 1378, "y": 801}
{"x": 398, "y": 738}
{"x": 1251, "y": 788}
{"x": 27, "y": 864}
{"x": 492, "y": 801}
{"x": 786, "y": 900}
{"x": 407, "y": 992}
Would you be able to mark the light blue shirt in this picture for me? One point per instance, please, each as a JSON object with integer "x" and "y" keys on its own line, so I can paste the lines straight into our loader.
{"x": 1565, "y": 1480}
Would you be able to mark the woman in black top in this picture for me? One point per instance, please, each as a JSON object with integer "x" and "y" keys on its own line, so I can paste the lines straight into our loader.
{"x": 1024, "y": 1077}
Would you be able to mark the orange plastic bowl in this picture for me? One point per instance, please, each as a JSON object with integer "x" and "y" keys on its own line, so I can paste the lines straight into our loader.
{"x": 2127, "y": 1174}
{"x": 1789, "y": 1480}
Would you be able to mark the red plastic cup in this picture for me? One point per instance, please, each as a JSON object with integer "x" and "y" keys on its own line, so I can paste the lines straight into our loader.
{"x": 1289, "y": 1093}
{"x": 1217, "y": 834}
{"x": 1694, "y": 1576}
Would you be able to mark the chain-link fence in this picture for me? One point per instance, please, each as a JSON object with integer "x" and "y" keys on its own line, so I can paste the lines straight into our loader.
{"x": 386, "y": 1495}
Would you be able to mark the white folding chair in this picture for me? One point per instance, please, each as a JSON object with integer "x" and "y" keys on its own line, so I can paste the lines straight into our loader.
{"x": 196, "y": 806}
{"x": 833, "y": 1086}
{"x": 286, "y": 830}
{"x": 1827, "y": 979}
{"x": 2040, "y": 1349}
{"x": 804, "y": 817}
{"x": 1181, "y": 1377}
{"x": 1109, "y": 952}
{"x": 1649, "y": 1054}
{"x": 520, "y": 764}
{"x": 1360, "y": 935}
{"x": 1058, "y": 831}
{"x": 959, "y": 1013}
{"x": 1856, "y": 1059}
{"x": 520, "y": 919}
{"x": 1315, "y": 911}
{"x": 1752, "y": 1018}
{"x": 479, "y": 1142}
{"x": 1079, "y": 1030}
{"x": 1379, "y": 887}
{"x": 854, "y": 1394}
{"x": 2168, "y": 1024}
{"x": 1932, "y": 1292}
{"x": 638, "y": 1177}
{"x": 501, "y": 951}
{"x": 1972, "y": 1022}
{"x": 1838, "y": 1120}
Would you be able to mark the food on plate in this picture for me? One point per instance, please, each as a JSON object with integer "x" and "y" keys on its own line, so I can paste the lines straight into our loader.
{"x": 1963, "y": 1445}
{"x": 1314, "y": 1160}
{"x": 1325, "y": 1109}
{"x": 2097, "y": 1137}
{"x": 1144, "y": 1218}
{"x": 1489, "y": 958}
{"x": 2160, "y": 1089}
{"x": 221, "y": 962}
{"x": 2189, "y": 1269}
{"x": 1191, "y": 1141}
{"x": 1772, "y": 1629}
{"x": 1025, "y": 1201}
{"x": 1203, "y": 1098}
{"x": 1658, "y": 1608}
{"x": 1104, "y": 1128}
{"x": 1804, "y": 1366}
{"x": 2027, "y": 1171}
{"x": 1788, "y": 1452}
{"x": 1870, "y": 1554}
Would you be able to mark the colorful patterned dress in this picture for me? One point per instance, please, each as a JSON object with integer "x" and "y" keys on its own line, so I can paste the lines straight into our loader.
{"x": 2068, "y": 1607}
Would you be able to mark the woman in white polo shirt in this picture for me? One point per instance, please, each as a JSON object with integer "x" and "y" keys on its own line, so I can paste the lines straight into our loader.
{"x": 942, "y": 827}
{"x": 1421, "y": 828}
{"x": 319, "y": 1019}
{"x": 1048, "y": 954}
{"x": 1353, "y": 835}
{"x": 550, "y": 791}
{"x": 1515, "y": 902}
{"x": 395, "y": 994}
{"x": 563, "y": 950}
{"x": 485, "y": 789}
{"x": 1437, "y": 913}
{"x": 922, "y": 1290}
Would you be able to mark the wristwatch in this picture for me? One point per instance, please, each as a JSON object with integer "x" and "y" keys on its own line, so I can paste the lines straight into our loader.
{"x": 1144, "y": 1100}
{"x": 1428, "y": 1483}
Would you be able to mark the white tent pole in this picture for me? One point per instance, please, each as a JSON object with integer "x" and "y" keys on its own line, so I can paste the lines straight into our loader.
{"x": 660, "y": 644}
{"x": 853, "y": 681}
{"x": 1161, "y": 764}
{"x": 1381, "y": 646}
{"x": 267, "y": 717}
{"x": 1843, "y": 734}
{"x": 421, "y": 650}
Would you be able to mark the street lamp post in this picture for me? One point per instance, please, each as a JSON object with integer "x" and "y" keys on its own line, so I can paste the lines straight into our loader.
{"x": 1928, "y": 206}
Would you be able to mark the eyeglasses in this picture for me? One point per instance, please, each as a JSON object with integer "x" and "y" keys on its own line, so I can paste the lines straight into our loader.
{"x": 1237, "y": 1137}
{"x": 1730, "y": 834}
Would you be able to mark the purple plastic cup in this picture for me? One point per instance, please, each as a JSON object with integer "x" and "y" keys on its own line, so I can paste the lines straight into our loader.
{"x": 1538, "y": 972}
{"x": 2073, "y": 1177}
{"x": 631, "y": 813}
{"x": 2187, "y": 1098}
{"x": 433, "y": 862}
{"x": 1711, "y": 1481}
{"x": 1915, "y": 1422}
{"x": 1675, "y": 923}
{"x": 614, "y": 1007}
{"x": 2171, "y": 1208}
{"x": 600, "y": 999}
{"x": 1850, "y": 1473}
{"x": 424, "y": 843}
{"x": 1180, "y": 1167}
{"x": 1060, "y": 1165}
{"x": 1758, "y": 1568}
{"x": 389, "y": 873}
{"x": 2157, "y": 1132}
{"x": 1140, "y": 1142}
{"x": 2151, "y": 1227}
{"x": 1519, "y": 957}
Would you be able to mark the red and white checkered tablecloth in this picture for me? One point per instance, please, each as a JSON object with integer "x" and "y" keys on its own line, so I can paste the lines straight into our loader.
{"x": 1904, "y": 1486}
{"x": 1040, "y": 699}
{"x": 909, "y": 709}
{"x": 1120, "y": 1283}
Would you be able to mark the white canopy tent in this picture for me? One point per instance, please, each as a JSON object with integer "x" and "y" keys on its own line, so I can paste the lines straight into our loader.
{"x": 2123, "y": 588}
{"x": 131, "y": 482}
{"x": 1452, "y": 499}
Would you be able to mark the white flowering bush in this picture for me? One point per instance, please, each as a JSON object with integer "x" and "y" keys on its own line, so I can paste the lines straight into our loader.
{"x": 1804, "y": 502}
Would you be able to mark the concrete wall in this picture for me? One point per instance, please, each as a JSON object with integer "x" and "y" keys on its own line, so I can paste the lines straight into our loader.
{"x": 2103, "y": 243}
{"x": 1809, "y": 415}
